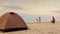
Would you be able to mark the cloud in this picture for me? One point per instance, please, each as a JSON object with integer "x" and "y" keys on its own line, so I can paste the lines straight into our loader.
{"x": 57, "y": 12}
{"x": 16, "y": 1}
{"x": 13, "y": 7}
{"x": 45, "y": 7}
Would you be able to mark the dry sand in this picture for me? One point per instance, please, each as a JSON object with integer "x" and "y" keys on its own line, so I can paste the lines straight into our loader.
{"x": 39, "y": 28}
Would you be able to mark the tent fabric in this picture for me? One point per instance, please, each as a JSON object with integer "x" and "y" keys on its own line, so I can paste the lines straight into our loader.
{"x": 12, "y": 20}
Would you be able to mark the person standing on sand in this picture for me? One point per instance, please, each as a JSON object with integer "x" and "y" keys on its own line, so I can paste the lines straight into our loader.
{"x": 39, "y": 19}
{"x": 53, "y": 20}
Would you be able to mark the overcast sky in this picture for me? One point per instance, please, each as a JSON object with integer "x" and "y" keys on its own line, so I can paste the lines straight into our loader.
{"x": 33, "y": 7}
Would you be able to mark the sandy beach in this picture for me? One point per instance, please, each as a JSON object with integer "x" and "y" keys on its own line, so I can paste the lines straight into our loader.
{"x": 39, "y": 28}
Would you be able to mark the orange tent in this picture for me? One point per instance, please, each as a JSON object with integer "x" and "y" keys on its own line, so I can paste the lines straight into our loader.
{"x": 11, "y": 21}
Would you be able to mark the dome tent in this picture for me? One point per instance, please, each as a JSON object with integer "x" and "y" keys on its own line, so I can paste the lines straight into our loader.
{"x": 11, "y": 22}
